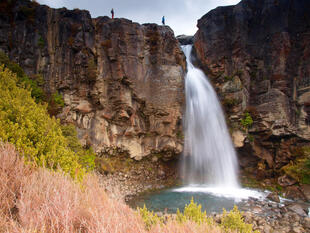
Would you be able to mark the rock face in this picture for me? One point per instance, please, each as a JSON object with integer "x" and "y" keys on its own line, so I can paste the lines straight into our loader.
{"x": 257, "y": 54}
{"x": 122, "y": 82}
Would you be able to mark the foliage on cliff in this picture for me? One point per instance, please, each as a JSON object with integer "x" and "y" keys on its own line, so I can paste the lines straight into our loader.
{"x": 23, "y": 79}
{"x": 39, "y": 137}
{"x": 299, "y": 169}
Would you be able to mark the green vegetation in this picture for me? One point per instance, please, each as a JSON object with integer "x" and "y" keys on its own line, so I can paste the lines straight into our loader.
{"x": 149, "y": 218}
{"x": 233, "y": 221}
{"x": 230, "y": 102}
{"x": 192, "y": 212}
{"x": 230, "y": 221}
{"x": 55, "y": 103}
{"x": 86, "y": 156}
{"x": 111, "y": 164}
{"x": 228, "y": 78}
{"x": 41, "y": 42}
{"x": 247, "y": 120}
{"x": 250, "y": 137}
{"x": 300, "y": 168}
{"x": 22, "y": 79}
{"x": 58, "y": 99}
{"x": 39, "y": 137}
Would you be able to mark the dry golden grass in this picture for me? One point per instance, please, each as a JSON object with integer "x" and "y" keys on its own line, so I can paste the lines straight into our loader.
{"x": 40, "y": 200}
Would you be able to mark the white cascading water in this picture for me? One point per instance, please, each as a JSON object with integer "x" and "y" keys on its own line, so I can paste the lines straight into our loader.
{"x": 209, "y": 155}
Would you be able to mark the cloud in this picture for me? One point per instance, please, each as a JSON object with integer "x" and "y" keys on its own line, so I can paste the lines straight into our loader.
{"x": 181, "y": 15}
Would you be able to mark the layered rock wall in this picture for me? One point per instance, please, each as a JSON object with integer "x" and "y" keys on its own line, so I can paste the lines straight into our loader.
{"x": 257, "y": 55}
{"x": 122, "y": 82}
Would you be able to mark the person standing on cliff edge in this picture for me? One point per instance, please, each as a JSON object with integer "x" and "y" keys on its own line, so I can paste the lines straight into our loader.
{"x": 112, "y": 12}
{"x": 163, "y": 20}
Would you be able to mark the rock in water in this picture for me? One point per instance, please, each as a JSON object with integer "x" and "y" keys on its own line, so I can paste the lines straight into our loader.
{"x": 273, "y": 197}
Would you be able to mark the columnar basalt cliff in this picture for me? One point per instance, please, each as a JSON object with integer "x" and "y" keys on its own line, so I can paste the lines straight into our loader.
{"x": 257, "y": 54}
{"x": 122, "y": 82}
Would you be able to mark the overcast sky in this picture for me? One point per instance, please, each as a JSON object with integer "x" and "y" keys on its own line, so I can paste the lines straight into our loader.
{"x": 181, "y": 15}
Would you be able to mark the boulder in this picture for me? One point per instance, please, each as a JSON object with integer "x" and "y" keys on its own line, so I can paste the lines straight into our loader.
{"x": 298, "y": 209}
{"x": 273, "y": 197}
{"x": 285, "y": 180}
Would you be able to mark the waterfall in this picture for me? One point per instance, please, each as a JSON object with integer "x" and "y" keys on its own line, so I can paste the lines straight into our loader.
{"x": 209, "y": 155}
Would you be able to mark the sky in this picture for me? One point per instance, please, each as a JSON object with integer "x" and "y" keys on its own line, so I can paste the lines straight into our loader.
{"x": 180, "y": 15}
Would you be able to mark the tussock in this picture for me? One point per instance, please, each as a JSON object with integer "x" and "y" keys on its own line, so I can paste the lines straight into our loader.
{"x": 40, "y": 200}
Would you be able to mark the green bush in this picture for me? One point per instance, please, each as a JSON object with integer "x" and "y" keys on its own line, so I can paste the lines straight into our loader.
{"x": 247, "y": 120}
{"x": 86, "y": 156}
{"x": 149, "y": 217}
{"x": 233, "y": 221}
{"x": 192, "y": 212}
{"x": 300, "y": 168}
{"x": 28, "y": 126}
{"x": 41, "y": 42}
{"x": 58, "y": 99}
{"x": 22, "y": 79}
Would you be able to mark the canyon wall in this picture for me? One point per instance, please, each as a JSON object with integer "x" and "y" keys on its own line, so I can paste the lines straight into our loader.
{"x": 122, "y": 82}
{"x": 257, "y": 54}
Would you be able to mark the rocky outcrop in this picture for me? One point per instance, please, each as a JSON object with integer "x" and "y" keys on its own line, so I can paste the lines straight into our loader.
{"x": 257, "y": 56}
{"x": 122, "y": 82}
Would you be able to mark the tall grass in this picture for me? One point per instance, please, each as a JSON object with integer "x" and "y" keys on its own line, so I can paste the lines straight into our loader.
{"x": 40, "y": 200}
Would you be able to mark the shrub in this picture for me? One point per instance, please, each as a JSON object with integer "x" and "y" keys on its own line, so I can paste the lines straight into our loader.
{"x": 41, "y": 42}
{"x": 192, "y": 212}
{"x": 22, "y": 79}
{"x": 247, "y": 120}
{"x": 149, "y": 218}
{"x": 28, "y": 126}
{"x": 86, "y": 156}
{"x": 300, "y": 168}
{"x": 58, "y": 99}
{"x": 233, "y": 221}
{"x": 230, "y": 102}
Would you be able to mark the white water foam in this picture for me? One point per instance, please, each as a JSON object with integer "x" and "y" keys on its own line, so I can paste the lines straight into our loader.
{"x": 238, "y": 194}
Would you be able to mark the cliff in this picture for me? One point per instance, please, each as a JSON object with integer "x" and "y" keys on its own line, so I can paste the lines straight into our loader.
{"x": 122, "y": 82}
{"x": 257, "y": 53}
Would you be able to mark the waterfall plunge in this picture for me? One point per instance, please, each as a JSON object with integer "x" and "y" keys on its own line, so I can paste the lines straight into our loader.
{"x": 209, "y": 155}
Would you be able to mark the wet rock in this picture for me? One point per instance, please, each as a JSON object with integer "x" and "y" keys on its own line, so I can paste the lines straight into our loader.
{"x": 294, "y": 192}
{"x": 185, "y": 40}
{"x": 238, "y": 138}
{"x": 286, "y": 181}
{"x": 306, "y": 222}
{"x": 306, "y": 191}
{"x": 298, "y": 209}
{"x": 274, "y": 197}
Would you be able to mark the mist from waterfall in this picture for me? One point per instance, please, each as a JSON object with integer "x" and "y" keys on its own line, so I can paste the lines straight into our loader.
{"x": 209, "y": 155}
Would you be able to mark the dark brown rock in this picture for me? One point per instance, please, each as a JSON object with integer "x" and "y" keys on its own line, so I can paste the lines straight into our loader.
{"x": 264, "y": 44}
{"x": 298, "y": 209}
{"x": 273, "y": 197}
{"x": 286, "y": 181}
